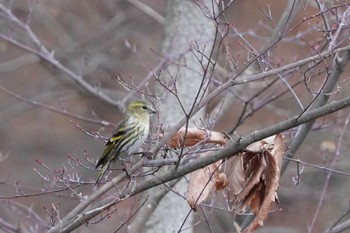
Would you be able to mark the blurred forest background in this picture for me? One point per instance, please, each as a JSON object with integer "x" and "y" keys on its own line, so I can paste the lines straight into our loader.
{"x": 99, "y": 40}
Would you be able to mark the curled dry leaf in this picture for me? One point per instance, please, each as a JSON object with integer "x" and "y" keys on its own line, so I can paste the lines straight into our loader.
{"x": 254, "y": 178}
{"x": 236, "y": 175}
{"x": 194, "y": 136}
{"x": 202, "y": 181}
{"x": 221, "y": 181}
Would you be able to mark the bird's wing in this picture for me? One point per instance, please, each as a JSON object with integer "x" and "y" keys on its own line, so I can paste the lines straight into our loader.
{"x": 118, "y": 133}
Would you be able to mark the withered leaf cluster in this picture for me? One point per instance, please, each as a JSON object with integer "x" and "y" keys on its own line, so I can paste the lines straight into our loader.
{"x": 250, "y": 179}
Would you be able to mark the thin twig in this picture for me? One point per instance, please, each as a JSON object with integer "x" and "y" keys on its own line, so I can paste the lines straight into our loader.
{"x": 74, "y": 218}
{"x": 329, "y": 173}
{"x": 49, "y": 56}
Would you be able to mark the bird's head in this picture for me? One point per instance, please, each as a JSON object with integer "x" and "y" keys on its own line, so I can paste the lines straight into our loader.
{"x": 140, "y": 108}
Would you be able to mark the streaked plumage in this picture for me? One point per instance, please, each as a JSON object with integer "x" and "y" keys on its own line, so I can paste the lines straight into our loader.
{"x": 128, "y": 135}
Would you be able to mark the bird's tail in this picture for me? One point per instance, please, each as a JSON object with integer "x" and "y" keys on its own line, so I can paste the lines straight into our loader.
{"x": 102, "y": 172}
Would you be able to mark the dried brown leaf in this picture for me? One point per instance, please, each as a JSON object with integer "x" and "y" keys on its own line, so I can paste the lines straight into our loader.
{"x": 266, "y": 143}
{"x": 202, "y": 182}
{"x": 221, "y": 181}
{"x": 254, "y": 173}
{"x": 254, "y": 178}
{"x": 195, "y": 136}
{"x": 278, "y": 150}
{"x": 268, "y": 194}
{"x": 236, "y": 175}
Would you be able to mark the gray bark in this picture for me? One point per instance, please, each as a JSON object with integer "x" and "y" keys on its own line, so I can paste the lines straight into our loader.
{"x": 187, "y": 27}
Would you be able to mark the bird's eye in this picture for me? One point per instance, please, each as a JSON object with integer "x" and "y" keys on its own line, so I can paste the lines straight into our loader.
{"x": 144, "y": 107}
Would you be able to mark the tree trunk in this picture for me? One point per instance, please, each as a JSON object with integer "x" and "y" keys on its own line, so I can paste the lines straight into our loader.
{"x": 189, "y": 28}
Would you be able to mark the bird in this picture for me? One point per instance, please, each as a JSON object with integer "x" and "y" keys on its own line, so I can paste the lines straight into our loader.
{"x": 128, "y": 135}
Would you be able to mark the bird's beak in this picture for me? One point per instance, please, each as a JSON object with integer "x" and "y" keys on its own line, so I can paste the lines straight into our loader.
{"x": 151, "y": 111}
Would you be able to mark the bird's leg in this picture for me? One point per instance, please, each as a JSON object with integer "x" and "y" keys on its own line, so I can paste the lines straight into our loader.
{"x": 127, "y": 168}
{"x": 148, "y": 155}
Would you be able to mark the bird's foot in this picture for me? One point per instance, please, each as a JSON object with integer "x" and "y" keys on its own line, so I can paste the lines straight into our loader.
{"x": 148, "y": 155}
{"x": 127, "y": 169}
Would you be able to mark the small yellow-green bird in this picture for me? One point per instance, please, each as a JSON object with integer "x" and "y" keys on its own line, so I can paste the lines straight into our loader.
{"x": 128, "y": 135}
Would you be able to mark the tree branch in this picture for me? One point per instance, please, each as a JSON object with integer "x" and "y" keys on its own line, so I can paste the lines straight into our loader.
{"x": 76, "y": 218}
{"x": 49, "y": 57}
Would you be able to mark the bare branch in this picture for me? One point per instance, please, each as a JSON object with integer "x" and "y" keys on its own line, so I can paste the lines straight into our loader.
{"x": 148, "y": 10}
{"x": 49, "y": 56}
{"x": 76, "y": 217}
